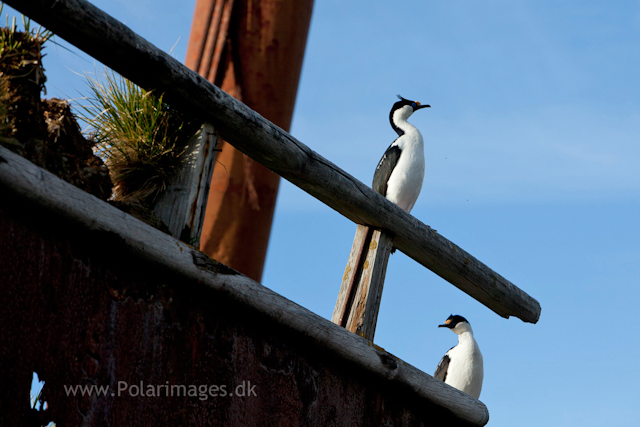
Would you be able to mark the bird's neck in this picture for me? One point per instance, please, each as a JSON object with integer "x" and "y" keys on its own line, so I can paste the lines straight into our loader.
{"x": 402, "y": 126}
{"x": 466, "y": 336}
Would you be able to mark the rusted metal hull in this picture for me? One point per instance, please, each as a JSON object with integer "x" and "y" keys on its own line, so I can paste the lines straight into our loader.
{"x": 77, "y": 312}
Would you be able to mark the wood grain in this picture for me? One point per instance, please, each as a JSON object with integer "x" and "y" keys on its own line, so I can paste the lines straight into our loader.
{"x": 182, "y": 204}
{"x": 366, "y": 305}
{"x": 360, "y": 293}
{"x": 350, "y": 278}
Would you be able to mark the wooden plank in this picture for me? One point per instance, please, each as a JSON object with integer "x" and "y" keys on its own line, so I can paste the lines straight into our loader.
{"x": 115, "y": 45}
{"x": 182, "y": 205}
{"x": 364, "y": 310}
{"x": 22, "y": 184}
{"x": 360, "y": 294}
{"x": 350, "y": 279}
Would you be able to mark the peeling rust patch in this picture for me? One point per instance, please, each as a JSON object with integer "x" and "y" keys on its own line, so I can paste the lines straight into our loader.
{"x": 203, "y": 262}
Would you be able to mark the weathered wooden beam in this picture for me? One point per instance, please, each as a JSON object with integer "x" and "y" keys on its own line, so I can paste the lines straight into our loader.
{"x": 182, "y": 204}
{"x": 360, "y": 295}
{"x": 24, "y": 185}
{"x": 115, "y": 45}
{"x": 351, "y": 276}
{"x": 366, "y": 304}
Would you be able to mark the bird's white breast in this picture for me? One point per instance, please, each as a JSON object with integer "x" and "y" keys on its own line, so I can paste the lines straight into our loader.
{"x": 466, "y": 370}
{"x": 406, "y": 179}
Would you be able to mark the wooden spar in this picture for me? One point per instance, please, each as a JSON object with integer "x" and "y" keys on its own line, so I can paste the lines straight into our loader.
{"x": 24, "y": 184}
{"x": 182, "y": 204}
{"x": 359, "y": 298}
{"x": 351, "y": 277}
{"x": 115, "y": 45}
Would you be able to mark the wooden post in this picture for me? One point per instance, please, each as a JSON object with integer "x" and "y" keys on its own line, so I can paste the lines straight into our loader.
{"x": 361, "y": 291}
{"x": 182, "y": 205}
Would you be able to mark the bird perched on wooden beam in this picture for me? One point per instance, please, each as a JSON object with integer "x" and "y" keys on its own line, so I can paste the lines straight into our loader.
{"x": 400, "y": 172}
{"x": 461, "y": 367}
{"x": 398, "y": 177}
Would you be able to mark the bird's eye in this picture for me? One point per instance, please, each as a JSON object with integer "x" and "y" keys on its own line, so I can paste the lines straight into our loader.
{"x": 414, "y": 105}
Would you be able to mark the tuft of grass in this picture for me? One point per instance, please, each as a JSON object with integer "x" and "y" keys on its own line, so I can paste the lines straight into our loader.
{"x": 10, "y": 42}
{"x": 138, "y": 135}
{"x": 21, "y": 75}
{"x": 17, "y": 46}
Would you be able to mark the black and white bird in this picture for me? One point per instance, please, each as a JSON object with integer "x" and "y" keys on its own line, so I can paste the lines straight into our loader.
{"x": 400, "y": 172}
{"x": 461, "y": 367}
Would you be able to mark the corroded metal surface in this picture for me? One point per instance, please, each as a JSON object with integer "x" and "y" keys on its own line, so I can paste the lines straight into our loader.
{"x": 78, "y": 312}
{"x": 253, "y": 50}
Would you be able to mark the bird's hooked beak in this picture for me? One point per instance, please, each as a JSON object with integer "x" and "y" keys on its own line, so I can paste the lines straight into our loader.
{"x": 447, "y": 324}
{"x": 421, "y": 106}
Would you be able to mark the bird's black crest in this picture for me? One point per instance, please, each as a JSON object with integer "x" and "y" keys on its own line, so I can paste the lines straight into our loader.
{"x": 403, "y": 101}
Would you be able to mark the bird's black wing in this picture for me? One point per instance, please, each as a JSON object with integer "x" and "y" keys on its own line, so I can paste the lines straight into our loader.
{"x": 385, "y": 167}
{"x": 441, "y": 370}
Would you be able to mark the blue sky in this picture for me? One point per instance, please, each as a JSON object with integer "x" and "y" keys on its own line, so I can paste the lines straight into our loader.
{"x": 532, "y": 158}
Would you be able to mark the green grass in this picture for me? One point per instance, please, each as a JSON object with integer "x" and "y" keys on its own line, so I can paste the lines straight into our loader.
{"x": 137, "y": 134}
{"x": 16, "y": 43}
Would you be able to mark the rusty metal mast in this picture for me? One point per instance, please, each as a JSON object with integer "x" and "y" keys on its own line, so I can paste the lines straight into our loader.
{"x": 253, "y": 50}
